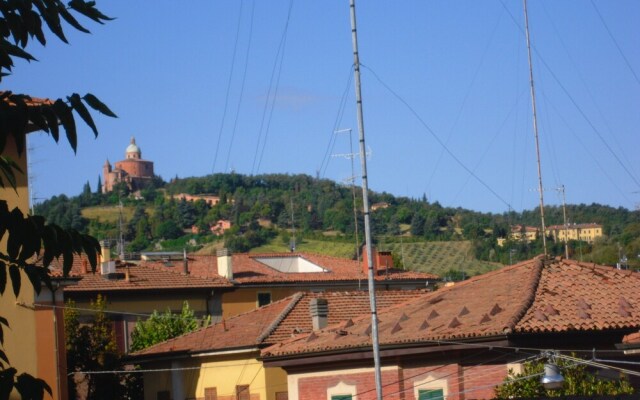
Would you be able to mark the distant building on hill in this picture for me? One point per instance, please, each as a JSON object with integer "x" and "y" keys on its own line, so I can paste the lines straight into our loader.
{"x": 133, "y": 170}
{"x": 584, "y": 232}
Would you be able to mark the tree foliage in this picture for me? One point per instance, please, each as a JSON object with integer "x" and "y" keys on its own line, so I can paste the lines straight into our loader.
{"x": 91, "y": 346}
{"x": 164, "y": 326}
{"x": 579, "y": 381}
{"x": 31, "y": 243}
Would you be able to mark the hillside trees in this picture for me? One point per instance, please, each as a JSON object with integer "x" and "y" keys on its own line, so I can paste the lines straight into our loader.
{"x": 28, "y": 236}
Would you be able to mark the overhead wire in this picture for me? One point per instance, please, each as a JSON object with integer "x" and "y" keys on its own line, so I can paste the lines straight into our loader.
{"x": 592, "y": 156}
{"x": 615, "y": 42}
{"x": 228, "y": 91}
{"x": 436, "y": 137}
{"x": 574, "y": 102}
{"x": 269, "y": 106}
{"x": 489, "y": 146}
{"x": 336, "y": 125}
{"x": 579, "y": 74}
{"x": 464, "y": 100}
{"x": 242, "y": 85}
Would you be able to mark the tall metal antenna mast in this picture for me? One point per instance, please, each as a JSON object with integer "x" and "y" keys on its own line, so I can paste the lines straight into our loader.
{"x": 365, "y": 205}
{"x": 535, "y": 128}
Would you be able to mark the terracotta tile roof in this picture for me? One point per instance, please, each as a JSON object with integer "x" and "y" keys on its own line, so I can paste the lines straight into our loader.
{"x": 275, "y": 322}
{"x": 141, "y": 277}
{"x": 241, "y": 331}
{"x": 632, "y": 339}
{"x": 530, "y": 297}
{"x": 247, "y": 269}
{"x": 30, "y": 102}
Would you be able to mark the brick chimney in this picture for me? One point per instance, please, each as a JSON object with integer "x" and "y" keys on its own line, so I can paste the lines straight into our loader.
{"x": 319, "y": 310}
{"x": 225, "y": 267}
{"x": 382, "y": 260}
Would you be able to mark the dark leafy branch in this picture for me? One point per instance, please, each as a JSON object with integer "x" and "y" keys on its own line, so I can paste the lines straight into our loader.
{"x": 23, "y": 21}
{"x": 31, "y": 243}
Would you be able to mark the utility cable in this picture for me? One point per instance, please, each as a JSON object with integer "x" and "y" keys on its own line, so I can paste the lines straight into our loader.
{"x": 626, "y": 61}
{"x": 574, "y": 102}
{"x": 226, "y": 97}
{"x": 559, "y": 37}
{"x": 433, "y": 134}
{"x": 466, "y": 97}
{"x": 244, "y": 79}
{"x": 277, "y": 66}
{"x": 332, "y": 138}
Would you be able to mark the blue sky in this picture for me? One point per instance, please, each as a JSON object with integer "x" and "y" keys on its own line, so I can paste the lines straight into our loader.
{"x": 168, "y": 70}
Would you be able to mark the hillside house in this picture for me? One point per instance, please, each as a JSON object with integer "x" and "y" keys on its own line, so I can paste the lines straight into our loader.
{"x": 583, "y": 232}
{"x": 459, "y": 342}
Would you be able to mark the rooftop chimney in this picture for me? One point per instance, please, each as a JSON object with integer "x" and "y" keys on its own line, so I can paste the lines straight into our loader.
{"x": 107, "y": 266}
{"x": 382, "y": 260}
{"x": 319, "y": 310}
{"x": 185, "y": 262}
{"x": 225, "y": 267}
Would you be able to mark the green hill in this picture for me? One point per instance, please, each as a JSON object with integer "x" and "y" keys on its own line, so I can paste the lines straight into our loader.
{"x": 439, "y": 257}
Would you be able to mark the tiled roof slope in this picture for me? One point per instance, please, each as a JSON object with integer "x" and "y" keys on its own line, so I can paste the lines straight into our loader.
{"x": 141, "y": 277}
{"x": 533, "y": 296}
{"x": 241, "y": 331}
{"x": 276, "y": 322}
{"x": 248, "y": 270}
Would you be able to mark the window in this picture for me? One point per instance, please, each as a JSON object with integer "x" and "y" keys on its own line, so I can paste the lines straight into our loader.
{"x": 210, "y": 393}
{"x": 264, "y": 299}
{"x": 430, "y": 394}
{"x": 242, "y": 392}
{"x": 430, "y": 388}
{"x": 341, "y": 391}
{"x": 282, "y": 395}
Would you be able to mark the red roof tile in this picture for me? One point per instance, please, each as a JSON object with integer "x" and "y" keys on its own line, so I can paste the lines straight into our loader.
{"x": 247, "y": 269}
{"x": 141, "y": 277}
{"x": 275, "y": 322}
{"x": 533, "y": 296}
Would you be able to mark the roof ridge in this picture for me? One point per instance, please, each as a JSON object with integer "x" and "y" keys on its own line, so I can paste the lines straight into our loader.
{"x": 276, "y": 322}
{"x": 530, "y": 295}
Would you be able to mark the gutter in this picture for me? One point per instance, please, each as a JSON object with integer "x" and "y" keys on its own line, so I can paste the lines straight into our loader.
{"x": 365, "y": 353}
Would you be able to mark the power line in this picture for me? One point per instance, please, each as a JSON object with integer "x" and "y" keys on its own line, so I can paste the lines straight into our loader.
{"x": 626, "y": 61}
{"x": 257, "y": 158}
{"x": 574, "y": 102}
{"x": 244, "y": 79}
{"x": 433, "y": 134}
{"x": 226, "y": 97}
{"x": 332, "y": 138}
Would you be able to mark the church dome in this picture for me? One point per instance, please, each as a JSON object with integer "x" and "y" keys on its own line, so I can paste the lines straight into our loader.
{"x": 133, "y": 147}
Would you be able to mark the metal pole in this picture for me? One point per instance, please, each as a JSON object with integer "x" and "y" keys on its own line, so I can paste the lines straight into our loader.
{"x": 365, "y": 204}
{"x": 535, "y": 128}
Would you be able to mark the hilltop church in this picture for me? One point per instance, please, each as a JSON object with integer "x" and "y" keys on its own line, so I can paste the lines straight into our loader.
{"x": 135, "y": 172}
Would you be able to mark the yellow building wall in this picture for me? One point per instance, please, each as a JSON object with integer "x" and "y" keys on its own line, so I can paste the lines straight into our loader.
{"x": 146, "y": 305}
{"x": 223, "y": 372}
{"x": 20, "y": 338}
{"x": 243, "y": 300}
